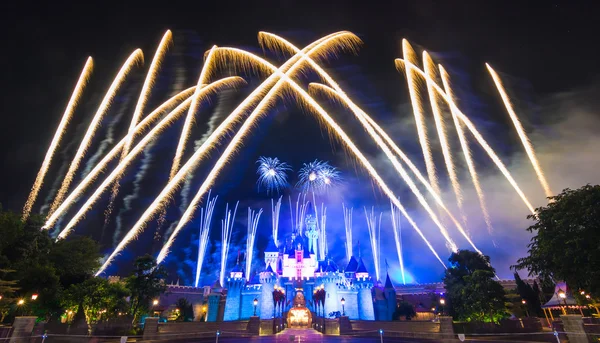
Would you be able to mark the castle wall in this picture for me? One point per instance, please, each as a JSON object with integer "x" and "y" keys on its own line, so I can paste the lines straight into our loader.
{"x": 351, "y": 306}
{"x": 365, "y": 304}
{"x": 247, "y": 302}
{"x": 213, "y": 307}
{"x": 331, "y": 297}
{"x": 232, "y": 302}
{"x": 265, "y": 302}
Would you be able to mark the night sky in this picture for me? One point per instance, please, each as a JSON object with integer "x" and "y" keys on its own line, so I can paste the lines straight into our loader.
{"x": 541, "y": 50}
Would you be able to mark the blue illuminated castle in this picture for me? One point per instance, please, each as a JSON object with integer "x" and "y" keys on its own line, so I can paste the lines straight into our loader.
{"x": 293, "y": 278}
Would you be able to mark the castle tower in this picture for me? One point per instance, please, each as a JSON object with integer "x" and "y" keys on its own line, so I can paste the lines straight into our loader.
{"x": 214, "y": 298}
{"x": 330, "y": 278}
{"x": 272, "y": 255}
{"x": 390, "y": 295}
{"x": 267, "y": 306}
{"x": 364, "y": 284}
{"x": 234, "y": 284}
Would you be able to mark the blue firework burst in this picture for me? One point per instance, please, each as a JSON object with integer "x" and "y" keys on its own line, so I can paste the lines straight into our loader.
{"x": 272, "y": 173}
{"x": 317, "y": 176}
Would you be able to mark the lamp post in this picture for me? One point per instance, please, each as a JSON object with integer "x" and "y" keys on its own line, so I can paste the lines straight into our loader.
{"x": 524, "y": 302}
{"x": 34, "y": 296}
{"x": 563, "y": 296}
{"x": 255, "y": 302}
{"x": 20, "y": 304}
{"x": 442, "y": 303}
{"x": 343, "y": 301}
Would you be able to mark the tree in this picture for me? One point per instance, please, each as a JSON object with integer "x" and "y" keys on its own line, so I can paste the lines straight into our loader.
{"x": 404, "y": 309}
{"x": 98, "y": 298}
{"x": 531, "y": 297}
{"x": 75, "y": 259}
{"x": 565, "y": 246}
{"x": 146, "y": 283}
{"x": 472, "y": 273}
{"x": 185, "y": 310}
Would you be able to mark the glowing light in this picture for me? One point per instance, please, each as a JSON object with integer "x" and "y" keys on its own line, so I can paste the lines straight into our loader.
{"x": 136, "y": 57}
{"x": 348, "y": 228}
{"x": 253, "y": 218}
{"x": 374, "y": 237}
{"x": 60, "y": 131}
{"x": 522, "y": 135}
{"x": 205, "y": 220}
{"x": 226, "y": 229}
{"x": 317, "y": 176}
{"x": 275, "y": 209}
{"x": 322, "y": 220}
{"x": 272, "y": 173}
{"x": 397, "y": 226}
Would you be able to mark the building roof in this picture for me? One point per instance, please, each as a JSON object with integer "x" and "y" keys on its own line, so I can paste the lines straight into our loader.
{"x": 237, "y": 269}
{"x": 269, "y": 269}
{"x": 331, "y": 267}
{"x": 361, "y": 267}
{"x": 557, "y": 301}
{"x": 352, "y": 265}
{"x": 388, "y": 282}
{"x": 271, "y": 247}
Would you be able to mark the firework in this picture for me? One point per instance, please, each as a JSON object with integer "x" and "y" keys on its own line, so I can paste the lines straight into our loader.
{"x": 309, "y": 102}
{"x": 374, "y": 237}
{"x": 320, "y": 46}
{"x": 272, "y": 173}
{"x": 317, "y": 176}
{"x": 522, "y": 135}
{"x": 139, "y": 108}
{"x": 60, "y": 131}
{"x": 430, "y": 71}
{"x": 417, "y": 106}
{"x": 464, "y": 144}
{"x": 348, "y": 226}
{"x": 136, "y": 57}
{"x": 275, "y": 209}
{"x": 150, "y": 137}
{"x": 323, "y": 232}
{"x": 205, "y": 219}
{"x": 253, "y": 218}
{"x": 397, "y": 225}
{"x": 226, "y": 229}
{"x": 100, "y": 166}
{"x": 400, "y": 64}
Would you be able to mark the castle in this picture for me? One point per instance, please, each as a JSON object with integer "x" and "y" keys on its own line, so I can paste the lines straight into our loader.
{"x": 295, "y": 280}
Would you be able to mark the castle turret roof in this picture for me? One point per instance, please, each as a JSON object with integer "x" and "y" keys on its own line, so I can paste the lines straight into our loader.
{"x": 271, "y": 247}
{"x": 361, "y": 267}
{"x": 352, "y": 265}
{"x": 331, "y": 267}
{"x": 269, "y": 269}
{"x": 388, "y": 282}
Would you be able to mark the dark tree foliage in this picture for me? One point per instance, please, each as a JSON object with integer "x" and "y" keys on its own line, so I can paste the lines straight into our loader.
{"x": 530, "y": 295}
{"x": 185, "y": 310}
{"x": 565, "y": 246}
{"x": 146, "y": 283}
{"x": 471, "y": 291}
{"x": 404, "y": 309}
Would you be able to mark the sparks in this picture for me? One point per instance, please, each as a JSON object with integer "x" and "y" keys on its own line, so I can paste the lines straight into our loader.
{"x": 272, "y": 174}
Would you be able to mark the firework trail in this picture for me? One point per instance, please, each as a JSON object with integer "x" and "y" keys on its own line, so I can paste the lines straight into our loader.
{"x": 321, "y": 46}
{"x": 226, "y": 229}
{"x": 91, "y": 177}
{"x": 522, "y": 135}
{"x": 374, "y": 237}
{"x": 323, "y": 233}
{"x": 60, "y": 131}
{"x": 272, "y": 174}
{"x": 205, "y": 219}
{"x": 139, "y": 109}
{"x": 400, "y": 64}
{"x": 466, "y": 151}
{"x": 136, "y": 57}
{"x": 368, "y": 123}
{"x": 430, "y": 71}
{"x": 397, "y": 225}
{"x": 253, "y": 218}
{"x": 348, "y": 226}
{"x": 275, "y": 209}
{"x": 309, "y": 102}
{"x": 150, "y": 137}
{"x": 189, "y": 119}
{"x": 417, "y": 105}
